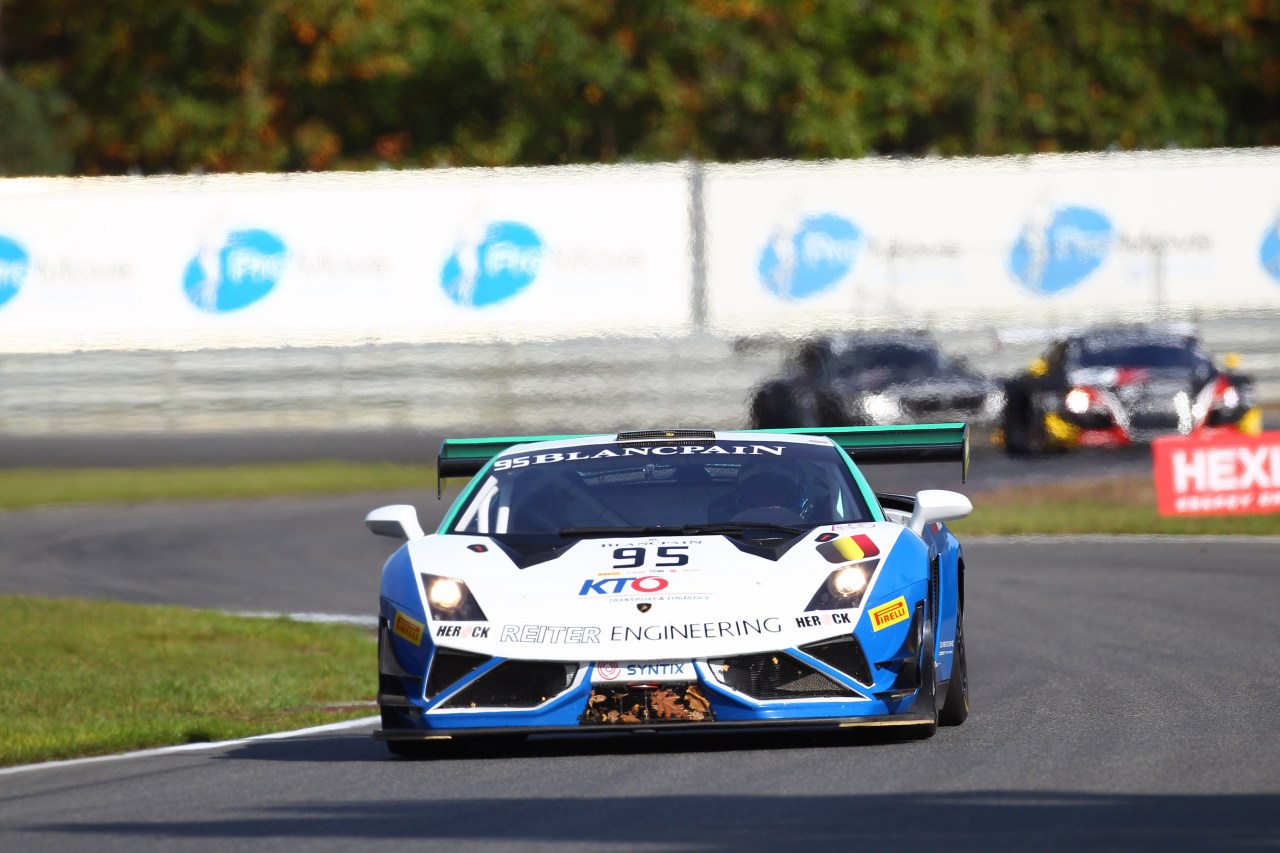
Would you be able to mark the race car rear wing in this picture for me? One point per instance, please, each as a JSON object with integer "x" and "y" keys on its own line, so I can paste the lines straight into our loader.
{"x": 897, "y": 444}
{"x": 465, "y": 457}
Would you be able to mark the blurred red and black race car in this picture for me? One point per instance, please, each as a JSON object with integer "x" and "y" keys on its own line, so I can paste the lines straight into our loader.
{"x": 1120, "y": 385}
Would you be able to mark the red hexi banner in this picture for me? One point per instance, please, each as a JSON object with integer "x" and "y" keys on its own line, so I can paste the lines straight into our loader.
{"x": 1223, "y": 475}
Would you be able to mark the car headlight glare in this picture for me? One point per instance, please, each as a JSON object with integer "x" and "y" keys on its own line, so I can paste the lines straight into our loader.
{"x": 849, "y": 581}
{"x": 1077, "y": 401}
{"x": 445, "y": 593}
{"x": 881, "y": 408}
{"x": 844, "y": 588}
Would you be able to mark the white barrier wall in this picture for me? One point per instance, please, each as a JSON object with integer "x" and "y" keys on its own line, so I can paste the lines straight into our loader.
{"x": 342, "y": 259}
{"x": 882, "y": 241}
{"x": 473, "y": 255}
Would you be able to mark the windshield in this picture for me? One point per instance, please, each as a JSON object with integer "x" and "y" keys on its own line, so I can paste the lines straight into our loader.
{"x": 1138, "y": 353}
{"x": 891, "y": 356}
{"x": 602, "y": 487}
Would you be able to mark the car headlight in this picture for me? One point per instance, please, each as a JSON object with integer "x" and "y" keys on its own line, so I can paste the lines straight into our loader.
{"x": 1077, "y": 401}
{"x": 449, "y": 600}
{"x": 844, "y": 588}
{"x": 445, "y": 593}
{"x": 881, "y": 408}
{"x": 849, "y": 581}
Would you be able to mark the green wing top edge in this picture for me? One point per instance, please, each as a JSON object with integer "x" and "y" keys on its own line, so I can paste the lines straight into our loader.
{"x": 465, "y": 457}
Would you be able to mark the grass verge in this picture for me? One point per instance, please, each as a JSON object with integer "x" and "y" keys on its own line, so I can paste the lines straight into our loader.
{"x": 27, "y": 487}
{"x": 1108, "y": 505}
{"x": 81, "y": 678}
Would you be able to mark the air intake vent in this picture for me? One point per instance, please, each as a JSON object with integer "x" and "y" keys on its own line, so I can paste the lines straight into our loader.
{"x": 775, "y": 675}
{"x": 655, "y": 437}
{"x": 844, "y": 654}
{"x": 448, "y": 666}
{"x": 935, "y": 590}
{"x": 646, "y": 704}
{"x": 515, "y": 684}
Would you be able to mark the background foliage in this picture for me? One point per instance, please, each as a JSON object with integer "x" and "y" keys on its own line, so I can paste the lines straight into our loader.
{"x": 119, "y": 86}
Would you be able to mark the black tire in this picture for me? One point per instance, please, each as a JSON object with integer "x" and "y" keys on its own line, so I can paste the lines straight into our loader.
{"x": 1023, "y": 428}
{"x": 927, "y": 698}
{"x": 772, "y": 408}
{"x": 955, "y": 705}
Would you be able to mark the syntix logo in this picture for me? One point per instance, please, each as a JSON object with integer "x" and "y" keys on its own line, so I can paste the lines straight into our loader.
{"x": 14, "y": 266}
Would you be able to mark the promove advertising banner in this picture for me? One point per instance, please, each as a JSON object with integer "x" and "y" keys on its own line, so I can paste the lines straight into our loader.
{"x": 343, "y": 259}
{"x": 1046, "y": 238}
{"x": 444, "y": 255}
{"x": 1223, "y": 475}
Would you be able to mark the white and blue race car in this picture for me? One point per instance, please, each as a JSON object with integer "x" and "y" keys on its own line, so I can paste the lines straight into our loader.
{"x": 675, "y": 579}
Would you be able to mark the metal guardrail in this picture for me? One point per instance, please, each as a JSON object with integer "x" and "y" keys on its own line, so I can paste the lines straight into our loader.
{"x": 576, "y": 384}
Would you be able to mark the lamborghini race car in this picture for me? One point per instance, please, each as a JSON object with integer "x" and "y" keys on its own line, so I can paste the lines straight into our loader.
{"x": 874, "y": 379}
{"x": 673, "y": 580}
{"x": 1123, "y": 385}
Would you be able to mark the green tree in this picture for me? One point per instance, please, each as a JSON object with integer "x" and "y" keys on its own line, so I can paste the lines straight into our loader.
{"x": 234, "y": 85}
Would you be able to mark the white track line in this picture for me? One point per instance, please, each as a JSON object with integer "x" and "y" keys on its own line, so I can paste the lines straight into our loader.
{"x": 341, "y": 618}
{"x": 190, "y": 747}
{"x": 363, "y": 621}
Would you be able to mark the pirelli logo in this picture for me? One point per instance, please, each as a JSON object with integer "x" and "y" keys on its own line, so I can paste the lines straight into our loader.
{"x": 888, "y": 614}
{"x": 410, "y": 629}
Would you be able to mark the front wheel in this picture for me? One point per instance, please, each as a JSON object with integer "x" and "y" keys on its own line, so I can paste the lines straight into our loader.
{"x": 1024, "y": 433}
{"x": 927, "y": 697}
{"x": 955, "y": 707}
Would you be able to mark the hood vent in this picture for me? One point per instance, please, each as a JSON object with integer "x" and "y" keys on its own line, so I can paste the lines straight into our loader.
{"x": 526, "y": 554}
{"x": 657, "y": 437}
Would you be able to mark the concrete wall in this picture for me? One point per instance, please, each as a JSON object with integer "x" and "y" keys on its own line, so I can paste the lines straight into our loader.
{"x": 602, "y": 297}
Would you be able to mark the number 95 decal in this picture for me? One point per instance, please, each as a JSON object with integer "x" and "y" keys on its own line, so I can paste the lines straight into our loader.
{"x": 634, "y": 558}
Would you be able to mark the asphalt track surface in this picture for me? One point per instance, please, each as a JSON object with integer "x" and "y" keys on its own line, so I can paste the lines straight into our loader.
{"x": 1124, "y": 698}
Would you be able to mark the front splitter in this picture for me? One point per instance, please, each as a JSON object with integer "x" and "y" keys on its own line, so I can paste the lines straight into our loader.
{"x": 886, "y": 720}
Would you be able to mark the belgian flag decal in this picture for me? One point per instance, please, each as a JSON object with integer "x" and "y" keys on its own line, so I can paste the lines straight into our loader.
{"x": 846, "y": 549}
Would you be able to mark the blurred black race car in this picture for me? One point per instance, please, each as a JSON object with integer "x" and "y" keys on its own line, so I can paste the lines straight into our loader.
{"x": 873, "y": 379}
{"x": 1121, "y": 385}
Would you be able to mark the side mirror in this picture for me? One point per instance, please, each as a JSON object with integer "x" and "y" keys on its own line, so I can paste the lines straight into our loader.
{"x": 938, "y": 505}
{"x": 399, "y": 521}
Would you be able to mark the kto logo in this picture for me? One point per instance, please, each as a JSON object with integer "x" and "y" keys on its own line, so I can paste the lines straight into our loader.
{"x": 1051, "y": 257}
{"x": 811, "y": 259}
{"x": 613, "y": 586}
{"x": 14, "y": 266}
{"x": 1268, "y": 252}
{"x": 494, "y": 268}
{"x": 230, "y": 274}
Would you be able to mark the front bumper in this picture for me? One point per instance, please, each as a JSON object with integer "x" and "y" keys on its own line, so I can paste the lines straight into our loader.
{"x": 830, "y": 683}
{"x": 1064, "y": 430}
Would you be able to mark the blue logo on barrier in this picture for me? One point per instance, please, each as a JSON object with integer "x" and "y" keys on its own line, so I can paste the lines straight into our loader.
{"x": 812, "y": 259}
{"x": 503, "y": 263}
{"x": 237, "y": 273}
{"x": 1269, "y": 251}
{"x": 14, "y": 265}
{"x": 1051, "y": 258}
